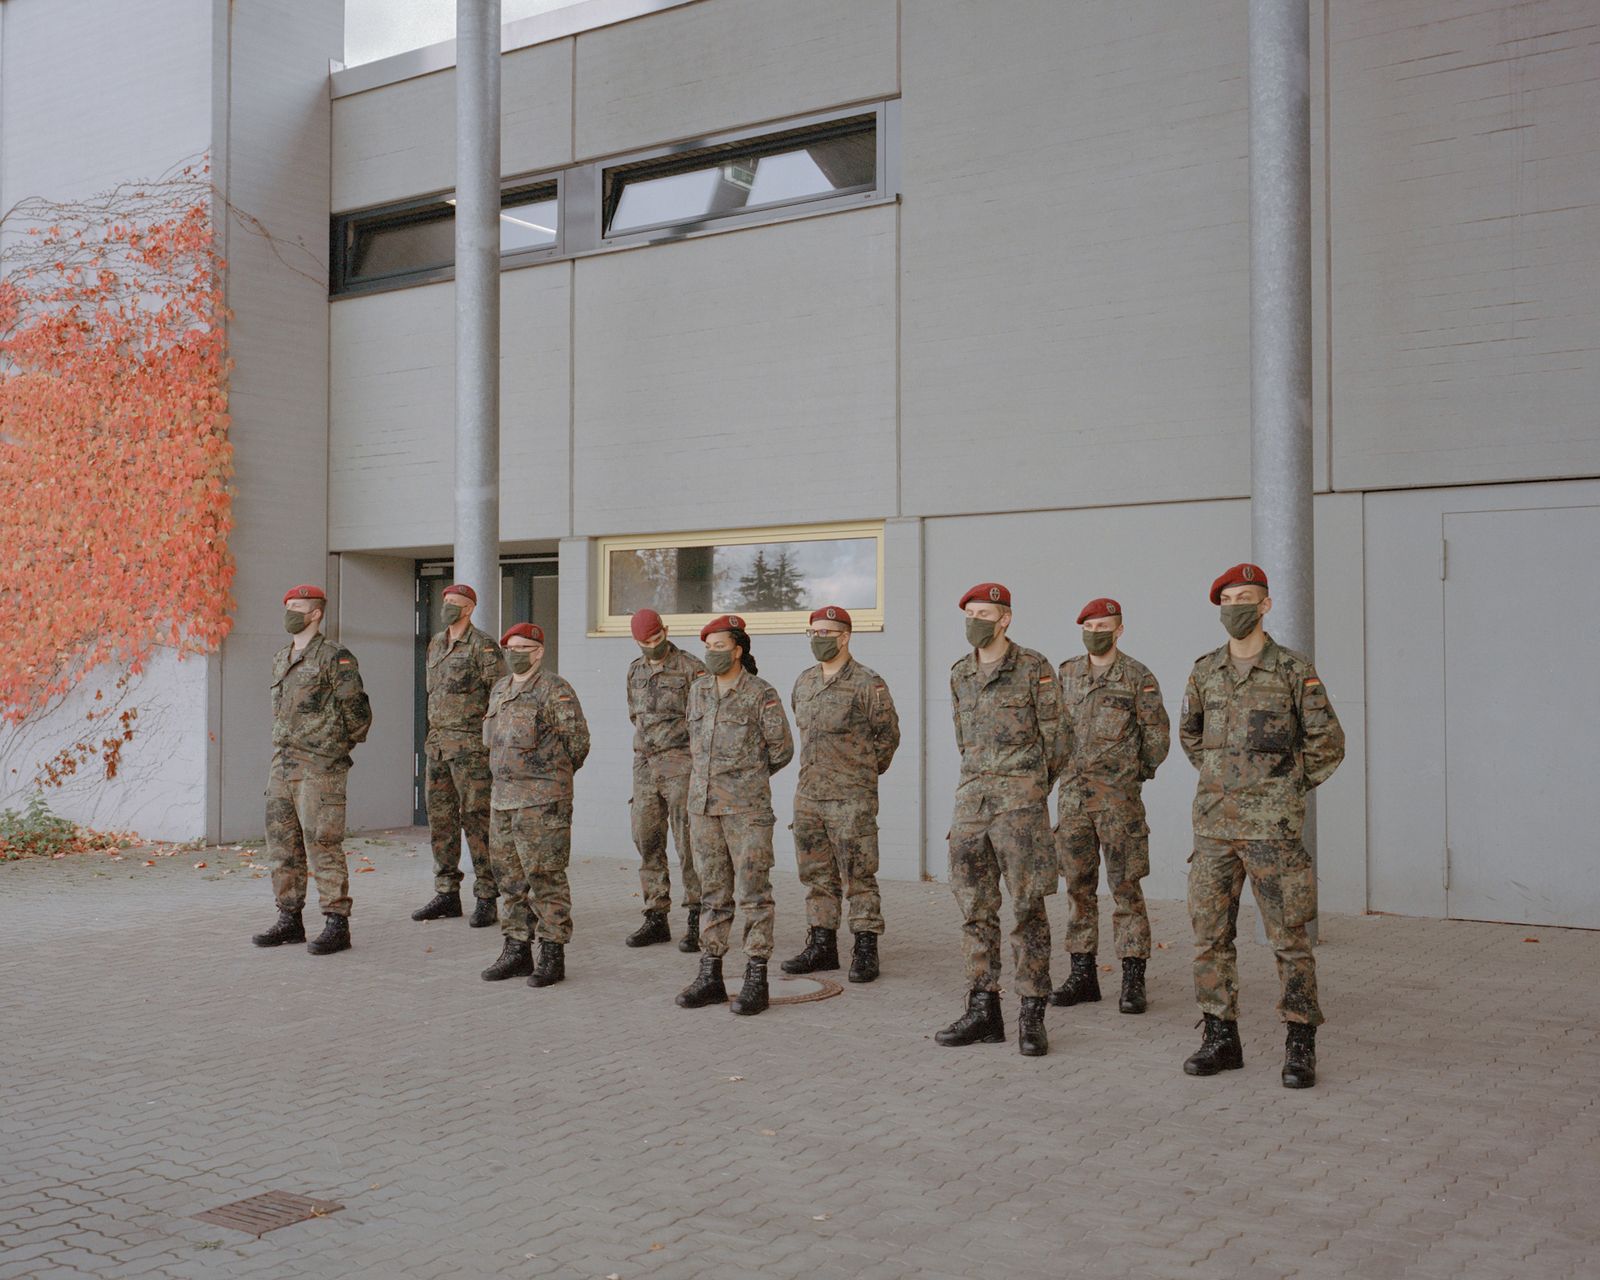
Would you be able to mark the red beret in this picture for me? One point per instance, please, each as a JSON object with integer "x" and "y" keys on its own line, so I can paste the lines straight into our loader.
{"x": 991, "y": 592}
{"x": 727, "y": 622}
{"x": 1104, "y": 607}
{"x": 305, "y": 591}
{"x": 461, "y": 589}
{"x": 645, "y": 624}
{"x": 1241, "y": 575}
{"x": 525, "y": 629}
{"x": 832, "y": 613}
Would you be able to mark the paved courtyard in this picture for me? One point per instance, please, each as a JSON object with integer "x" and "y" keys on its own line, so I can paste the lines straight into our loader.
{"x": 155, "y": 1065}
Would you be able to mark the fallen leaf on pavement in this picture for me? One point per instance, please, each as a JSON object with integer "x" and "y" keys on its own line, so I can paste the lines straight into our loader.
{"x": 820, "y": 1217}
{"x": 1525, "y": 939}
{"x": 199, "y": 866}
{"x": 736, "y": 1077}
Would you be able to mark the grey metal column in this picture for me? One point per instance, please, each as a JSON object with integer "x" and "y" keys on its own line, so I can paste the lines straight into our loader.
{"x": 477, "y": 548}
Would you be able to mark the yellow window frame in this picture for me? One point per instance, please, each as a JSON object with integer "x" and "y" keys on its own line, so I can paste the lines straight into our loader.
{"x": 686, "y": 626}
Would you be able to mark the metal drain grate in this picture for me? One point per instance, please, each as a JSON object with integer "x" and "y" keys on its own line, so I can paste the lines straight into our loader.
{"x": 267, "y": 1212}
{"x": 828, "y": 987}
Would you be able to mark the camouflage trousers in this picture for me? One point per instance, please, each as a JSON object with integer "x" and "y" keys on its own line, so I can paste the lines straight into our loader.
{"x": 305, "y": 821}
{"x": 660, "y": 804}
{"x": 458, "y": 803}
{"x": 531, "y": 847}
{"x": 1016, "y": 846}
{"x": 1285, "y": 890}
{"x": 733, "y": 854}
{"x": 1121, "y": 836}
{"x": 836, "y": 851}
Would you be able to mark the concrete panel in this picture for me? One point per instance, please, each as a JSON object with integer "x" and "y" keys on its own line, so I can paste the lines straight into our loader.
{"x": 393, "y": 413}
{"x": 377, "y": 619}
{"x": 740, "y": 379}
{"x": 1163, "y": 589}
{"x": 1466, "y": 242}
{"x": 400, "y": 140}
{"x": 1075, "y": 253}
{"x": 722, "y": 64}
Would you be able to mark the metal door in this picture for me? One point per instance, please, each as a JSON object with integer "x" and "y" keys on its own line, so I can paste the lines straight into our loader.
{"x": 1522, "y": 715}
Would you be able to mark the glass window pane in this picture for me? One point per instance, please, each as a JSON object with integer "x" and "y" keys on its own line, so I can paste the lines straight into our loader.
{"x": 528, "y": 220}
{"x": 380, "y": 249}
{"x": 746, "y": 577}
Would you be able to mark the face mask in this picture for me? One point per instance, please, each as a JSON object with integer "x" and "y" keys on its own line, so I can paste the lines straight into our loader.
{"x": 519, "y": 660}
{"x": 1098, "y": 642}
{"x": 294, "y": 622}
{"x": 980, "y": 631}
{"x": 1239, "y": 620}
{"x": 452, "y": 614}
{"x": 656, "y": 652}
{"x": 719, "y": 661}
{"x": 824, "y": 648}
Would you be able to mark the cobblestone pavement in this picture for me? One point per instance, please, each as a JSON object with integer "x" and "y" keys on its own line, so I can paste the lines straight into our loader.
{"x": 155, "y": 1065}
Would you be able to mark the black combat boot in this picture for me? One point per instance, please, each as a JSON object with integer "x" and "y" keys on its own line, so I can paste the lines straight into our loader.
{"x": 288, "y": 929}
{"x": 654, "y": 929}
{"x": 691, "y": 932}
{"x": 1083, "y": 983}
{"x": 516, "y": 961}
{"x": 484, "y": 913}
{"x": 752, "y": 997}
{"x": 442, "y": 906}
{"x": 1300, "y": 1056}
{"x": 1132, "y": 999}
{"x": 864, "y": 963}
{"x": 1219, "y": 1049}
{"x": 335, "y": 936}
{"x": 982, "y": 1021}
{"x": 707, "y": 988}
{"x": 1031, "y": 1039}
{"x": 821, "y": 952}
{"x": 552, "y": 966}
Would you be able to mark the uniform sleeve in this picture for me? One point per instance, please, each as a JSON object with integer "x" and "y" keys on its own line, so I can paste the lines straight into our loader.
{"x": 885, "y": 722}
{"x": 566, "y": 718}
{"x": 955, "y": 714}
{"x": 1191, "y": 721}
{"x": 355, "y": 709}
{"x": 775, "y": 729}
{"x": 1054, "y": 727}
{"x": 491, "y": 663}
{"x": 1155, "y": 730}
{"x": 1322, "y": 736}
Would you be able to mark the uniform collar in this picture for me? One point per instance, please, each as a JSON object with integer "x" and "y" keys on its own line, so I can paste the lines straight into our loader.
{"x": 1267, "y": 658}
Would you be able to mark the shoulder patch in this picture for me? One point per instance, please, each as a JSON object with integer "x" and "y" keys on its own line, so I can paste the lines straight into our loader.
{"x": 1149, "y": 688}
{"x": 1312, "y": 680}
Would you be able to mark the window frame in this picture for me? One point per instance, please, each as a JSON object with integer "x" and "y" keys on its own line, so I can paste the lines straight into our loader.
{"x": 686, "y": 626}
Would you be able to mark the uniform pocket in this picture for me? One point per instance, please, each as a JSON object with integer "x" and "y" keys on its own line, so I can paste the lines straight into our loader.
{"x": 1112, "y": 719}
{"x": 1269, "y": 730}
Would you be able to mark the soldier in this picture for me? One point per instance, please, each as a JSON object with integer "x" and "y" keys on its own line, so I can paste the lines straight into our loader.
{"x": 1014, "y": 742}
{"x": 463, "y": 665}
{"x": 319, "y": 711}
{"x": 848, "y": 735}
{"x": 1120, "y": 736}
{"x": 1257, "y": 724}
{"x": 537, "y": 737}
{"x": 658, "y": 698}
{"x": 738, "y": 738}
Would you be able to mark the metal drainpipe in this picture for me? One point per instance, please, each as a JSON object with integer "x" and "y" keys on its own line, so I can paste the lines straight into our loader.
{"x": 477, "y": 491}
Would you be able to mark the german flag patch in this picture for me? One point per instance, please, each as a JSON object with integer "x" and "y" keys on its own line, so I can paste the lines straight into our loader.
{"x": 1312, "y": 681}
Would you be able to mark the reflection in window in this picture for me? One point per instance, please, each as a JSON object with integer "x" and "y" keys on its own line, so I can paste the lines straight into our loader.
{"x": 528, "y": 219}
{"x": 799, "y": 165}
{"x": 748, "y": 577}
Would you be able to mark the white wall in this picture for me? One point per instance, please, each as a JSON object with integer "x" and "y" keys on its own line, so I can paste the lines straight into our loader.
{"x": 377, "y": 614}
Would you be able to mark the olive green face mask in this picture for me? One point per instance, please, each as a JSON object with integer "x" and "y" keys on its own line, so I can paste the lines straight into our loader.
{"x": 1239, "y": 620}
{"x": 1098, "y": 642}
{"x": 980, "y": 631}
{"x": 519, "y": 660}
{"x": 719, "y": 661}
{"x": 824, "y": 648}
{"x": 656, "y": 652}
{"x": 294, "y": 622}
{"x": 452, "y": 614}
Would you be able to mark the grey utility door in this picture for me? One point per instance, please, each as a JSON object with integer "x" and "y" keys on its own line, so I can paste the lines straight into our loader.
{"x": 1522, "y": 715}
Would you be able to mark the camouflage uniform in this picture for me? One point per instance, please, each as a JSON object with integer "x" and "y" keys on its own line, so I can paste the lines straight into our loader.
{"x": 537, "y": 737}
{"x": 319, "y": 711}
{"x": 658, "y": 699}
{"x": 460, "y": 674}
{"x": 1014, "y": 741}
{"x": 1120, "y": 736}
{"x": 737, "y": 741}
{"x": 848, "y": 735}
{"x": 1260, "y": 741}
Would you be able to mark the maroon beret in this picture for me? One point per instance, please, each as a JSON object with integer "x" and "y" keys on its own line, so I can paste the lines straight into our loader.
{"x": 832, "y": 613}
{"x": 1104, "y": 607}
{"x": 1241, "y": 575}
{"x": 305, "y": 591}
{"x": 525, "y": 629}
{"x": 461, "y": 589}
{"x": 645, "y": 624}
{"x": 990, "y": 592}
{"x": 727, "y": 622}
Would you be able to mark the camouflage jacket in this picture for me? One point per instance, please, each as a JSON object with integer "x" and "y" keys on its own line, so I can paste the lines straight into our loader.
{"x": 1010, "y": 729}
{"x": 848, "y": 731}
{"x": 319, "y": 709}
{"x": 460, "y": 675}
{"x": 1120, "y": 732}
{"x": 1260, "y": 743}
{"x": 537, "y": 737}
{"x": 658, "y": 704}
{"x": 737, "y": 740}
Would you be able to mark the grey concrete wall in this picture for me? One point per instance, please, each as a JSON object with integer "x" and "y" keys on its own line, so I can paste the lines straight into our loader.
{"x": 377, "y": 614}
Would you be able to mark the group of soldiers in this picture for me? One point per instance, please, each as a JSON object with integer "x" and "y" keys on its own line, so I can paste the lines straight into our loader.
{"x": 505, "y": 738}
